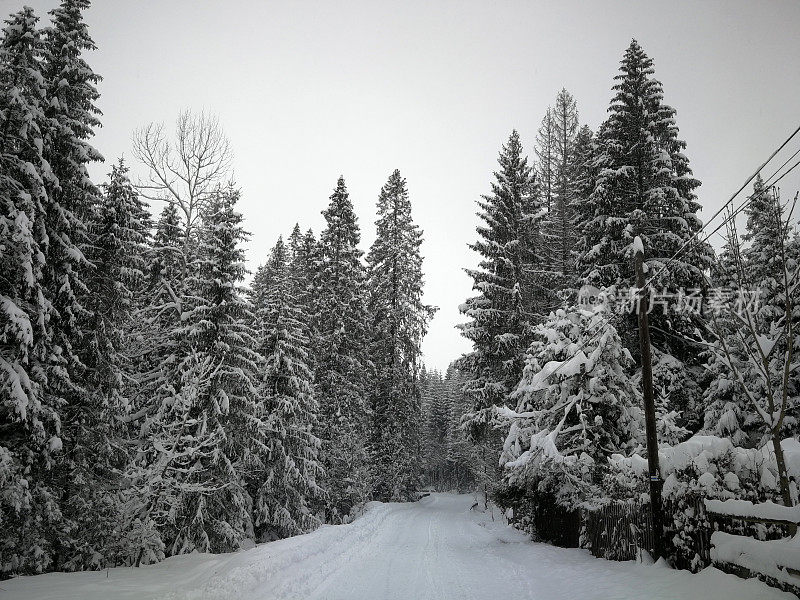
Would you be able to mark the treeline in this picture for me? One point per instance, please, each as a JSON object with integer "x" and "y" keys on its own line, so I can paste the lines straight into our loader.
{"x": 151, "y": 404}
{"x": 553, "y": 382}
{"x": 452, "y": 462}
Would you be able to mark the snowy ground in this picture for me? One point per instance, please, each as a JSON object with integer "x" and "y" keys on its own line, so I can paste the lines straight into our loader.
{"x": 434, "y": 549}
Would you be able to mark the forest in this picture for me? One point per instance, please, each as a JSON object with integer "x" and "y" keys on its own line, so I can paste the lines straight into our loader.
{"x": 157, "y": 399}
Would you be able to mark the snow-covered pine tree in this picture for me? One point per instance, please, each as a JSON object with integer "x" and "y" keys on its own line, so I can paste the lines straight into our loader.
{"x": 204, "y": 434}
{"x": 295, "y": 242}
{"x": 645, "y": 188}
{"x": 399, "y": 320}
{"x": 29, "y": 419}
{"x": 508, "y": 298}
{"x": 341, "y": 361}
{"x": 585, "y": 176}
{"x": 302, "y": 269}
{"x": 727, "y": 410}
{"x": 70, "y": 119}
{"x": 576, "y": 406}
{"x": 288, "y": 490}
{"x": 118, "y": 232}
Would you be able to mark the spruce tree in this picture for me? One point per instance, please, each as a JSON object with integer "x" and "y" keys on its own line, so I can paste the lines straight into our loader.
{"x": 118, "y": 231}
{"x": 644, "y": 187}
{"x": 204, "y": 434}
{"x": 399, "y": 322}
{"x": 341, "y": 361}
{"x": 502, "y": 311}
{"x": 70, "y": 119}
{"x": 585, "y": 176}
{"x": 289, "y": 489}
{"x": 29, "y": 418}
{"x": 576, "y": 406}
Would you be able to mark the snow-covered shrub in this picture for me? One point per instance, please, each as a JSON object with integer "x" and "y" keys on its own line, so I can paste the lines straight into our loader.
{"x": 703, "y": 467}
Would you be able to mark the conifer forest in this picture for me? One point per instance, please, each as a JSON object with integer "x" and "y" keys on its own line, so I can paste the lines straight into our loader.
{"x": 183, "y": 417}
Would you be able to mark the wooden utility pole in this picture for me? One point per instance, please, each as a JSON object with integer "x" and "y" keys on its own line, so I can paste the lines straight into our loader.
{"x": 654, "y": 471}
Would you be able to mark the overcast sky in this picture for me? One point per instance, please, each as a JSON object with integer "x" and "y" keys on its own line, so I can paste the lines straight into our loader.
{"x": 307, "y": 91}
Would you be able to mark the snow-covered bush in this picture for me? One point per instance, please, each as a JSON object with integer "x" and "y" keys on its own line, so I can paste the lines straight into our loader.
{"x": 703, "y": 467}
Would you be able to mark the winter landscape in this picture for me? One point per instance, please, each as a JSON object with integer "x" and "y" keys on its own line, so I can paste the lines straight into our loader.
{"x": 399, "y": 301}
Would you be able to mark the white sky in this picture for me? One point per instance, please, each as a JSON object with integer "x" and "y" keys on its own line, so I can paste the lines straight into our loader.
{"x": 307, "y": 91}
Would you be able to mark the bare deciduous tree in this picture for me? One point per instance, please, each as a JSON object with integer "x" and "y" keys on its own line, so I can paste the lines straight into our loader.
{"x": 759, "y": 353}
{"x": 187, "y": 169}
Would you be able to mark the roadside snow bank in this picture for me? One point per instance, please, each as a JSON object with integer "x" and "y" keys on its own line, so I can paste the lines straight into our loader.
{"x": 206, "y": 576}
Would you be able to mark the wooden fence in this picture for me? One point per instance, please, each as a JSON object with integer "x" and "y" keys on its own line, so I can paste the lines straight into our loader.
{"x": 618, "y": 530}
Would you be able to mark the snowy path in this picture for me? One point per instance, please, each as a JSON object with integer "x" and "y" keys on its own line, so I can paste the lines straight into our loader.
{"x": 433, "y": 549}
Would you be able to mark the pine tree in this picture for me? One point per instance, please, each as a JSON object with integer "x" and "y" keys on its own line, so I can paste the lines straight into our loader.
{"x": 303, "y": 272}
{"x": 576, "y": 406}
{"x": 342, "y": 366}
{"x": 399, "y": 322}
{"x": 585, "y": 177}
{"x": 204, "y": 434}
{"x": 70, "y": 119}
{"x": 644, "y": 187}
{"x": 118, "y": 231}
{"x": 289, "y": 490}
{"x": 501, "y": 313}
{"x": 29, "y": 419}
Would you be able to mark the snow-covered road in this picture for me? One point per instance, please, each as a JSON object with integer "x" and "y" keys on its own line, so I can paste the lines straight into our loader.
{"x": 433, "y": 549}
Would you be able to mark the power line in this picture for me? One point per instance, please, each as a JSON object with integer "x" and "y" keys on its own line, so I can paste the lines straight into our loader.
{"x": 750, "y": 198}
{"x": 693, "y": 239}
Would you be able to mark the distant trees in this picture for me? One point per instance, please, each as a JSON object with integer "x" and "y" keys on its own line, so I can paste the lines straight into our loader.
{"x": 451, "y": 460}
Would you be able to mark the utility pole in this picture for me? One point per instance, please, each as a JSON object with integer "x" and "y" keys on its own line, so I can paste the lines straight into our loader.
{"x": 654, "y": 471}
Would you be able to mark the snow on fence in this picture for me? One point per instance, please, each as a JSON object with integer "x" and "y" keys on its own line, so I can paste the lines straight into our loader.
{"x": 777, "y": 562}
